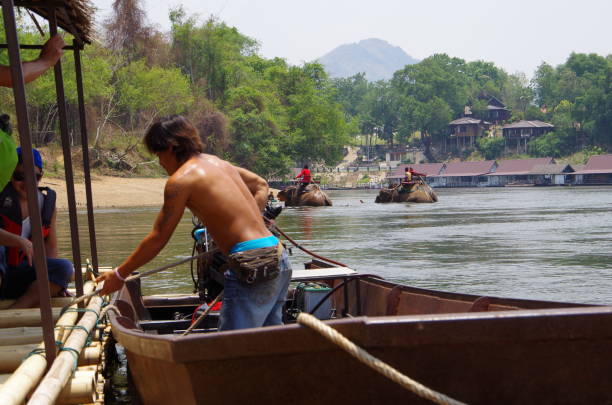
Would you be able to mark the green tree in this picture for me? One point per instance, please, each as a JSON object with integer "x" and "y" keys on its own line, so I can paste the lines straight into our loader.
{"x": 490, "y": 147}
{"x": 142, "y": 95}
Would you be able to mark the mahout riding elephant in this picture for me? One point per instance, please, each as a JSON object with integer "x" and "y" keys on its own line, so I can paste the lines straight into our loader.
{"x": 418, "y": 192}
{"x": 311, "y": 196}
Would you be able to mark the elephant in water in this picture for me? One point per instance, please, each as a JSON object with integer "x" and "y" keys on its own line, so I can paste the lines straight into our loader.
{"x": 312, "y": 196}
{"x": 418, "y": 192}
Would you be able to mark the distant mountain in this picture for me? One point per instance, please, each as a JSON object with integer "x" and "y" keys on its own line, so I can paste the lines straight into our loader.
{"x": 377, "y": 58}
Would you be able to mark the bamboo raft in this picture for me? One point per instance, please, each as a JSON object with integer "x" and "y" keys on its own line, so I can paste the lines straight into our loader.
{"x": 23, "y": 367}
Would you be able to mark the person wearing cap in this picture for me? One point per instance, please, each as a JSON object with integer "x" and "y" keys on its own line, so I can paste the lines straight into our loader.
{"x": 49, "y": 55}
{"x": 17, "y": 273}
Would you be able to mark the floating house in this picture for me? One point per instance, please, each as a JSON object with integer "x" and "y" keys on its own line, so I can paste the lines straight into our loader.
{"x": 518, "y": 134}
{"x": 466, "y": 174}
{"x": 465, "y": 130}
{"x": 552, "y": 174}
{"x": 598, "y": 170}
{"x": 516, "y": 171}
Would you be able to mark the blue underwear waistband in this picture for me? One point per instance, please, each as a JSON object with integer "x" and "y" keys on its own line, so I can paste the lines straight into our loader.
{"x": 268, "y": 241}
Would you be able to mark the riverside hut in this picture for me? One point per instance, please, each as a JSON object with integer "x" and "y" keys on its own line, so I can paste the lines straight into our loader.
{"x": 497, "y": 111}
{"x": 516, "y": 171}
{"x": 552, "y": 174}
{"x": 518, "y": 134}
{"x": 466, "y": 130}
{"x": 598, "y": 170}
{"x": 466, "y": 174}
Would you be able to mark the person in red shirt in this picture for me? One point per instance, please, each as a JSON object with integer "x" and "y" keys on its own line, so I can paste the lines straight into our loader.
{"x": 305, "y": 178}
{"x": 409, "y": 174}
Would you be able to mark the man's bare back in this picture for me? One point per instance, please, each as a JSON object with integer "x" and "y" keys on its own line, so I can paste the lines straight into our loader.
{"x": 217, "y": 193}
{"x": 228, "y": 199}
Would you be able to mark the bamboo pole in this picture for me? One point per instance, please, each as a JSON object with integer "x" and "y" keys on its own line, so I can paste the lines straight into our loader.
{"x": 81, "y": 371}
{"x": 27, "y": 375}
{"x": 11, "y": 356}
{"x": 21, "y": 335}
{"x": 80, "y": 389}
{"x": 55, "y": 302}
{"x": 56, "y": 378}
{"x": 11, "y": 318}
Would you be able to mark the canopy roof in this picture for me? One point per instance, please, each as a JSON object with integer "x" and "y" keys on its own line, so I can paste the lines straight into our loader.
{"x": 478, "y": 168}
{"x": 428, "y": 169}
{"x": 519, "y": 166}
{"x": 73, "y": 16}
{"x": 597, "y": 164}
{"x": 528, "y": 124}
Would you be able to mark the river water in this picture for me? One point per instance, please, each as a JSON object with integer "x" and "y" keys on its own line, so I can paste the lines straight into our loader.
{"x": 540, "y": 243}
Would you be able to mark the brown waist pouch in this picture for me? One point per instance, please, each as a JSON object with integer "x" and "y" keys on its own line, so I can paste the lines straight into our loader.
{"x": 256, "y": 265}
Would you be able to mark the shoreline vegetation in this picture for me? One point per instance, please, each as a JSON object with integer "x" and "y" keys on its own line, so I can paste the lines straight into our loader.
{"x": 269, "y": 116}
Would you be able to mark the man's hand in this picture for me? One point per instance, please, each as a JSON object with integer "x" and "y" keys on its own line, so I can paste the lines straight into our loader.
{"x": 52, "y": 50}
{"x": 111, "y": 282}
{"x": 28, "y": 250}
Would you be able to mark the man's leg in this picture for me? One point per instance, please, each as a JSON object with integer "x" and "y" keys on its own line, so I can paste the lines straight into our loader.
{"x": 252, "y": 306}
{"x": 60, "y": 271}
{"x": 30, "y": 298}
{"x": 275, "y": 317}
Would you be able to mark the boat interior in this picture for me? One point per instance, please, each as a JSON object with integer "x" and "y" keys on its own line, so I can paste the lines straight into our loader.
{"x": 325, "y": 292}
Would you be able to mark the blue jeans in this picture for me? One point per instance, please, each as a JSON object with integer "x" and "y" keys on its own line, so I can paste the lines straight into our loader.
{"x": 251, "y": 306}
{"x": 17, "y": 279}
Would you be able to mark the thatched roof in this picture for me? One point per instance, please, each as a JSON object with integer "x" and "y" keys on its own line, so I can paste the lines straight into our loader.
{"x": 73, "y": 16}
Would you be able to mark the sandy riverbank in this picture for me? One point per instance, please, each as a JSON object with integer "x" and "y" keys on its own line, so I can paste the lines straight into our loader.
{"x": 112, "y": 192}
{"x": 109, "y": 192}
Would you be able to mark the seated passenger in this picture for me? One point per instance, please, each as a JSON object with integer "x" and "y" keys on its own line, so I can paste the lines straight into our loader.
{"x": 18, "y": 276}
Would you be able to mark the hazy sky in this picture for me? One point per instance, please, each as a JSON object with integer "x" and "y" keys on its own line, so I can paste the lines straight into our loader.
{"x": 516, "y": 35}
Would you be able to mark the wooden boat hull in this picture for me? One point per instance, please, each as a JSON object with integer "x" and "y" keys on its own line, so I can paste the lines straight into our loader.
{"x": 557, "y": 354}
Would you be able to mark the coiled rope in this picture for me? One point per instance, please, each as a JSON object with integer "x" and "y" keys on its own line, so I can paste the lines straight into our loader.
{"x": 366, "y": 358}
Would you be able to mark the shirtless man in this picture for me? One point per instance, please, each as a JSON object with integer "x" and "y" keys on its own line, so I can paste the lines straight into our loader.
{"x": 230, "y": 201}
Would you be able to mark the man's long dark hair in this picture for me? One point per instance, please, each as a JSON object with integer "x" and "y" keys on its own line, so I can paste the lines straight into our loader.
{"x": 175, "y": 132}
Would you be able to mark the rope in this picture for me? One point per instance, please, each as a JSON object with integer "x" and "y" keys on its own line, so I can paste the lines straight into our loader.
{"x": 165, "y": 267}
{"x": 75, "y": 353}
{"x": 297, "y": 245}
{"x": 134, "y": 277}
{"x": 109, "y": 307}
{"x": 197, "y": 321}
{"x": 373, "y": 362}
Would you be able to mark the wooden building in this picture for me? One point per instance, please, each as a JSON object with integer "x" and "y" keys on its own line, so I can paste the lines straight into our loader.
{"x": 598, "y": 170}
{"x": 465, "y": 130}
{"x": 515, "y": 171}
{"x": 518, "y": 134}
{"x": 497, "y": 111}
{"x": 466, "y": 174}
{"x": 551, "y": 174}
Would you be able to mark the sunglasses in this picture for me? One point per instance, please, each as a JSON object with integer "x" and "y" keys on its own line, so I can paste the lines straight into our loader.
{"x": 20, "y": 176}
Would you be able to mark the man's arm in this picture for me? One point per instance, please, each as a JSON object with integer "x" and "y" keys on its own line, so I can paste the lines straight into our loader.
{"x": 52, "y": 51}
{"x": 175, "y": 200}
{"x": 256, "y": 185}
{"x": 10, "y": 239}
